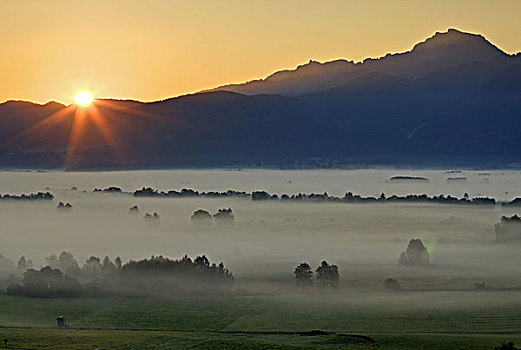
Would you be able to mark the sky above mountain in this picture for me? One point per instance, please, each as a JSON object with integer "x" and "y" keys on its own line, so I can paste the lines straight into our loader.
{"x": 149, "y": 50}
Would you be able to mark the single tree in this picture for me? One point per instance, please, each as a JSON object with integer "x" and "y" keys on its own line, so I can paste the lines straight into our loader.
{"x": 22, "y": 264}
{"x": 68, "y": 264}
{"x": 415, "y": 254}
{"x": 303, "y": 276}
{"x": 118, "y": 263}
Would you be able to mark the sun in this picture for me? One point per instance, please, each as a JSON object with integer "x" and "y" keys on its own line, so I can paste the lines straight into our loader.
{"x": 83, "y": 99}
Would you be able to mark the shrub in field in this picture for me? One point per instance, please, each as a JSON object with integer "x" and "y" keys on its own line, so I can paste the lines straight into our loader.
{"x": 392, "y": 284}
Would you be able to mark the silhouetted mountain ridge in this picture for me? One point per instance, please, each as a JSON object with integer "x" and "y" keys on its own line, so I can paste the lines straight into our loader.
{"x": 453, "y": 100}
{"x": 440, "y": 52}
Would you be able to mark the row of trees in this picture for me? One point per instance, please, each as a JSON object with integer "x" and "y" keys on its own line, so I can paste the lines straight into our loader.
{"x": 349, "y": 197}
{"x": 327, "y": 276}
{"x": 63, "y": 277}
{"x": 93, "y": 267}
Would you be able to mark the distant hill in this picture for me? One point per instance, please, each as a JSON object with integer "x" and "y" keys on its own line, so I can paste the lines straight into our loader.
{"x": 453, "y": 100}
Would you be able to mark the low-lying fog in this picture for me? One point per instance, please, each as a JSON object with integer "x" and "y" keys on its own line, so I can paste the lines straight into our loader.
{"x": 270, "y": 238}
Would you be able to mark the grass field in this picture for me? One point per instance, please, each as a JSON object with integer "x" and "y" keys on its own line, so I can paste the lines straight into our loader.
{"x": 406, "y": 320}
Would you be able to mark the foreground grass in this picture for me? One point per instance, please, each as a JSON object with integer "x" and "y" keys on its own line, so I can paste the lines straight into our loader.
{"x": 428, "y": 318}
{"x": 133, "y": 340}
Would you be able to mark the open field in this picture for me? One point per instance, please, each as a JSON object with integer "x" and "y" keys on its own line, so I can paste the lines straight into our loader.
{"x": 440, "y": 305}
{"x": 445, "y": 320}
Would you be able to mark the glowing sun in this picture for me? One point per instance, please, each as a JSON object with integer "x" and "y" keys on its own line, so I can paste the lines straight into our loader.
{"x": 83, "y": 99}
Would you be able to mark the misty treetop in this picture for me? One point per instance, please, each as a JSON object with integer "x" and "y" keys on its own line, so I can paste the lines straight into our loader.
{"x": 199, "y": 268}
{"x": 415, "y": 254}
{"x": 64, "y": 207}
{"x": 201, "y": 217}
{"x": 223, "y": 217}
{"x": 46, "y": 283}
{"x": 508, "y": 228}
{"x": 304, "y": 276}
{"x": 63, "y": 276}
{"x": 327, "y": 276}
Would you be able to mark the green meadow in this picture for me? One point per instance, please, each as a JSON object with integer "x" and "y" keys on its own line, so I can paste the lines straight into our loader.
{"x": 391, "y": 320}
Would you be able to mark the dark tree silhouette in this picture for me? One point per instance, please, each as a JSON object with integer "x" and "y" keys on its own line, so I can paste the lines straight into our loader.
{"x": 327, "y": 276}
{"x": 201, "y": 217}
{"x": 46, "y": 283}
{"x": 224, "y": 217}
{"x": 199, "y": 269}
{"x": 303, "y": 276}
{"x": 415, "y": 254}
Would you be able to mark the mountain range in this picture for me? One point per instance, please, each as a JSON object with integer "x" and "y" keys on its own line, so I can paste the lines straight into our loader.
{"x": 452, "y": 100}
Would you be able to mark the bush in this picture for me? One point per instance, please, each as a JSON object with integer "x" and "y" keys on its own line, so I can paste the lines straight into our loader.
{"x": 392, "y": 284}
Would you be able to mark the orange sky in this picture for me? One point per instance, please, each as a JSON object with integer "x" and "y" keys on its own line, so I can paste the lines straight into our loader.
{"x": 154, "y": 49}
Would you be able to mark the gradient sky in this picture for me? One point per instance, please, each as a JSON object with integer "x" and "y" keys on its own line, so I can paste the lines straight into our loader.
{"x": 154, "y": 49}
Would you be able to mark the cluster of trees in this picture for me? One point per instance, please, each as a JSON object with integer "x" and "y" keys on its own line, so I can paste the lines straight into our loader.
{"x": 26, "y": 197}
{"x": 64, "y": 277}
{"x": 151, "y": 219}
{"x": 222, "y": 217}
{"x": 415, "y": 254}
{"x": 64, "y": 207}
{"x": 508, "y": 228}
{"x": 349, "y": 197}
{"x": 516, "y": 202}
{"x": 111, "y": 189}
{"x": 93, "y": 267}
{"x": 45, "y": 283}
{"x": 327, "y": 276}
{"x": 200, "y": 268}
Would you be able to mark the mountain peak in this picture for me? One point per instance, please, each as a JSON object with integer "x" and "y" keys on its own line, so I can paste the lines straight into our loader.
{"x": 454, "y": 38}
{"x": 441, "y": 51}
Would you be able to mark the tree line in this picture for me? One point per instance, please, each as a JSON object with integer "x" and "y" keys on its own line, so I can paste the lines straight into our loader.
{"x": 62, "y": 276}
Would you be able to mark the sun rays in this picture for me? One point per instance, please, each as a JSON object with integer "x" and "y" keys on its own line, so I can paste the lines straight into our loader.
{"x": 86, "y": 127}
